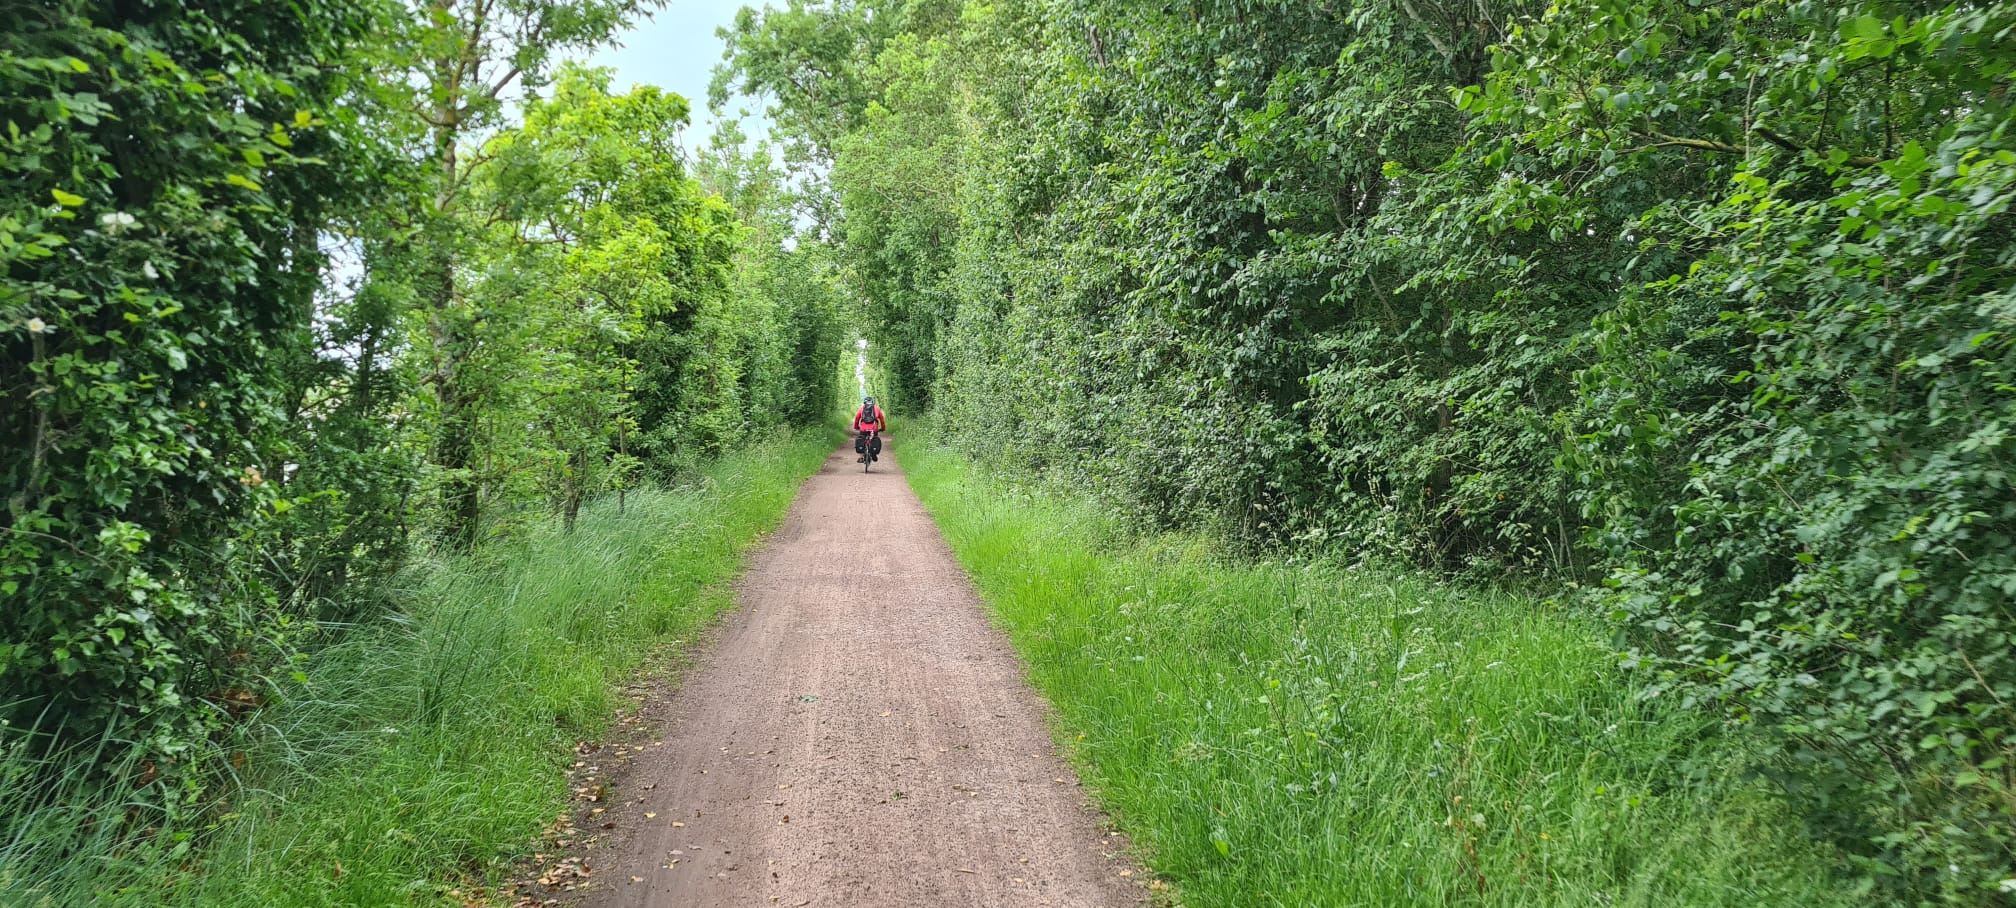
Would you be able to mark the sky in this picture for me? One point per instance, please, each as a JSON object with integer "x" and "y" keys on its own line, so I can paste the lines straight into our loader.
{"x": 676, "y": 50}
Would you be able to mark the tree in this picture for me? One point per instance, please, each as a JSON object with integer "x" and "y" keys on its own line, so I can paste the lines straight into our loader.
{"x": 467, "y": 55}
{"x": 160, "y": 261}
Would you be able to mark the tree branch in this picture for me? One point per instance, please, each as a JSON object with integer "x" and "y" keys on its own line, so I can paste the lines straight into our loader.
{"x": 1662, "y": 140}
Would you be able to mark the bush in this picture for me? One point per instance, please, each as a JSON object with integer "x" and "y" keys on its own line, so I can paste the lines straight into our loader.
{"x": 155, "y": 245}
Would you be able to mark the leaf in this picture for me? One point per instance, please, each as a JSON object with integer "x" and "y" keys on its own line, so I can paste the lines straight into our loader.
{"x": 1865, "y": 27}
{"x": 65, "y": 199}
{"x": 244, "y": 181}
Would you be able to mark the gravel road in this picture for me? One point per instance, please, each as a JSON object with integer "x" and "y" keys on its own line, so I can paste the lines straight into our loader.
{"x": 859, "y": 735}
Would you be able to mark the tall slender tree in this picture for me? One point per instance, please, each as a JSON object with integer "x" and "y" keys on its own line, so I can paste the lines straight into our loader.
{"x": 469, "y": 56}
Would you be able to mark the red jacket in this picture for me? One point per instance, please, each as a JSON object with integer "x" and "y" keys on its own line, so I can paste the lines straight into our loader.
{"x": 872, "y": 422}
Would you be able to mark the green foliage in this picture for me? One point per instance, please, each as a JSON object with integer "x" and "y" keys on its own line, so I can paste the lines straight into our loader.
{"x": 1309, "y": 734}
{"x": 159, "y": 255}
{"x": 462, "y": 59}
{"x": 1794, "y": 438}
{"x": 636, "y": 322}
{"x": 1699, "y": 309}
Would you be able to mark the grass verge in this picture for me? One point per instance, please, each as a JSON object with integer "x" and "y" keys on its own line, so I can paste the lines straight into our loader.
{"x": 430, "y": 749}
{"x": 1308, "y": 734}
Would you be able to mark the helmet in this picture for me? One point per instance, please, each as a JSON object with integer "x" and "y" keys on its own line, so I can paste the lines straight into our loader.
{"x": 867, "y": 403}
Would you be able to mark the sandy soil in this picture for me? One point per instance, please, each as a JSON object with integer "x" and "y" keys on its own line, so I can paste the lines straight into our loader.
{"x": 860, "y": 735}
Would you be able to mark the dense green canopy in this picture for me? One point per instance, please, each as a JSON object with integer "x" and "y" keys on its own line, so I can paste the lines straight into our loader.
{"x": 290, "y": 293}
{"x": 1702, "y": 310}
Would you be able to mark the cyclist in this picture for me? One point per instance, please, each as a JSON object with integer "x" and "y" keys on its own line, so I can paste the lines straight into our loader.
{"x": 869, "y": 421}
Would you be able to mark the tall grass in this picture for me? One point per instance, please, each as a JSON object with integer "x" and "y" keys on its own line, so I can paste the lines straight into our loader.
{"x": 430, "y": 748}
{"x": 1308, "y": 734}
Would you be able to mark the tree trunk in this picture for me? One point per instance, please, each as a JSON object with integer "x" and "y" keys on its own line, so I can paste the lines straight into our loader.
{"x": 577, "y": 464}
{"x": 455, "y": 434}
{"x": 454, "y": 450}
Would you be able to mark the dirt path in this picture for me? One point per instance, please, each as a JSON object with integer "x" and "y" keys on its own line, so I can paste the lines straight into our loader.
{"x": 860, "y": 736}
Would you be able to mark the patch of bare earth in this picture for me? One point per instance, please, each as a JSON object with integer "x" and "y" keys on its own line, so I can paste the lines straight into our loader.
{"x": 859, "y": 735}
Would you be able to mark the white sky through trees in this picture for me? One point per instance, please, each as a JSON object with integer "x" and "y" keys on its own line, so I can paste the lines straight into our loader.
{"x": 677, "y": 50}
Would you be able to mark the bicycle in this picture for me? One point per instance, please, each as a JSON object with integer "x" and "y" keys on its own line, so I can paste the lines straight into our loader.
{"x": 868, "y": 442}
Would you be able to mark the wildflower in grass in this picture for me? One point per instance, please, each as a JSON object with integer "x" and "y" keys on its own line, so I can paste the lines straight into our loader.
{"x": 116, "y": 221}
{"x": 37, "y": 326}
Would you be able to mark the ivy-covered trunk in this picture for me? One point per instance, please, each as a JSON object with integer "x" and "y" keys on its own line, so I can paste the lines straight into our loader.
{"x": 455, "y": 427}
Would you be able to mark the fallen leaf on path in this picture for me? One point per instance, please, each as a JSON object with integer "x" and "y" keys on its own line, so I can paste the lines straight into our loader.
{"x": 964, "y": 870}
{"x": 650, "y": 816}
